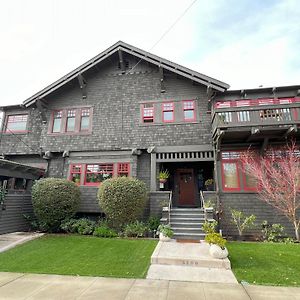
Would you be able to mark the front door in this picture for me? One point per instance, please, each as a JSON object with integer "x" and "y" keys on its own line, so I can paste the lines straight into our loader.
{"x": 186, "y": 187}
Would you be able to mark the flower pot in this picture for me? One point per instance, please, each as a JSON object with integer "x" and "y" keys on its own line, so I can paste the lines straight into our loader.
{"x": 163, "y": 238}
{"x": 217, "y": 252}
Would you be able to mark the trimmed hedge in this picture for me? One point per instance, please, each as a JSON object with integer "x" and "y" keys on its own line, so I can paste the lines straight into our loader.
{"x": 122, "y": 199}
{"x": 54, "y": 200}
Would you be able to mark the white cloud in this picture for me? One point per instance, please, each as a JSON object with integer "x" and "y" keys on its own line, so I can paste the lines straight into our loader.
{"x": 43, "y": 40}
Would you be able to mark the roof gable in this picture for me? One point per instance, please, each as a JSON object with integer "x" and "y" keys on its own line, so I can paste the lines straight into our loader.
{"x": 143, "y": 55}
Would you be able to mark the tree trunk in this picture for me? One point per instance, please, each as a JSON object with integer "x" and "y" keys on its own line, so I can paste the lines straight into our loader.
{"x": 297, "y": 232}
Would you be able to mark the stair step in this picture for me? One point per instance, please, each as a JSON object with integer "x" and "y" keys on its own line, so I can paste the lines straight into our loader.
{"x": 188, "y": 236}
{"x": 187, "y": 209}
{"x": 187, "y": 215}
{"x": 186, "y": 224}
{"x": 183, "y": 219}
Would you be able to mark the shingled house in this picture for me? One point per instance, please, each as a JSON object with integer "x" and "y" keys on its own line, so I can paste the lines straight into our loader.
{"x": 127, "y": 112}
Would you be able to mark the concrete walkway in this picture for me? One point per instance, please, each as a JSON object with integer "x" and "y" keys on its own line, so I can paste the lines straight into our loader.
{"x": 34, "y": 286}
{"x": 10, "y": 240}
{"x": 188, "y": 262}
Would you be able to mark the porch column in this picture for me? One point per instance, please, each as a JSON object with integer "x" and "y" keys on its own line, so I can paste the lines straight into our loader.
{"x": 153, "y": 173}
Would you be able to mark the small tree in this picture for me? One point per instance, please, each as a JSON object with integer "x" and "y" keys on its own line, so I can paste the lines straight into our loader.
{"x": 122, "y": 199}
{"x": 242, "y": 221}
{"x": 277, "y": 173}
{"x": 54, "y": 200}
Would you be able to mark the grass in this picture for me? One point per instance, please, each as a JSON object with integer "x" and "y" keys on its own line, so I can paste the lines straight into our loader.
{"x": 80, "y": 255}
{"x": 266, "y": 263}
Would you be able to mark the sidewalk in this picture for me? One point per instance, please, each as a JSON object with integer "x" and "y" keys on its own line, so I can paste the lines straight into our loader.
{"x": 34, "y": 286}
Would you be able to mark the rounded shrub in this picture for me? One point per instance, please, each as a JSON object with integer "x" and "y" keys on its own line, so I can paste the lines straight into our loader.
{"x": 54, "y": 200}
{"x": 122, "y": 199}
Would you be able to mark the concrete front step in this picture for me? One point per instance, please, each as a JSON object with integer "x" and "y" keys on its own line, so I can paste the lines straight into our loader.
{"x": 189, "y": 236}
{"x": 187, "y": 254}
{"x": 188, "y": 229}
{"x": 187, "y": 210}
{"x": 186, "y": 225}
{"x": 190, "y": 214}
{"x": 184, "y": 273}
{"x": 187, "y": 219}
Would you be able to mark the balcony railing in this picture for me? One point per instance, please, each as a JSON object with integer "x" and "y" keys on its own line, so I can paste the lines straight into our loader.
{"x": 264, "y": 115}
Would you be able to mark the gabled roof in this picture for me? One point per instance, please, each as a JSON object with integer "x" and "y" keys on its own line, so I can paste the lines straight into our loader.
{"x": 154, "y": 59}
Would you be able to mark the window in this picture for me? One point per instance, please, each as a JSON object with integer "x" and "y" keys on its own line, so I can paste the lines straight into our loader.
{"x": 230, "y": 176}
{"x": 97, "y": 173}
{"x": 72, "y": 121}
{"x": 85, "y": 119}
{"x": 250, "y": 184}
{"x": 148, "y": 113}
{"x": 75, "y": 173}
{"x": 168, "y": 112}
{"x": 189, "y": 110}
{"x": 123, "y": 169}
{"x": 71, "y": 115}
{"x": 57, "y": 116}
{"x": 16, "y": 123}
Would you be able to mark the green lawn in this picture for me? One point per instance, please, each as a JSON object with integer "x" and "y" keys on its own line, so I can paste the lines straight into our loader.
{"x": 80, "y": 255}
{"x": 265, "y": 263}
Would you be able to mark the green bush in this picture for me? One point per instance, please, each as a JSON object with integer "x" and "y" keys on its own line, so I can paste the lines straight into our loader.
{"x": 54, "y": 200}
{"x": 136, "y": 229}
{"x": 166, "y": 230}
{"x": 103, "y": 230}
{"x": 209, "y": 227}
{"x": 215, "y": 238}
{"x": 122, "y": 199}
{"x": 153, "y": 223}
{"x": 272, "y": 233}
{"x": 82, "y": 226}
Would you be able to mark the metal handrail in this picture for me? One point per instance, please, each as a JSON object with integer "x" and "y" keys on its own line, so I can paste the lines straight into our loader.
{"x": 170, "y": 207}
{"x": 202, "y": 199}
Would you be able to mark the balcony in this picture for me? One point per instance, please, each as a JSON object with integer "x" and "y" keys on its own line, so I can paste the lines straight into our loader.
{"x": 250, "y": 120}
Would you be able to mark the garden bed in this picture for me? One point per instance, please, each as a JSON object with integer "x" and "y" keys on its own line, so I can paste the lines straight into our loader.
{"x": 81, "y": 255}
{"x": 265, "y": 263}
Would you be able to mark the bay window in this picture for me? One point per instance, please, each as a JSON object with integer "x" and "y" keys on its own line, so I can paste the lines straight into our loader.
{"x": 97, "y": 173}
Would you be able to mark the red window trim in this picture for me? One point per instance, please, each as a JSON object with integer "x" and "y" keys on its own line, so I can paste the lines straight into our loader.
{"x": 189, "y": 109}
{"x": 247, "y": 188}
{"x": 223, "y": 177}
{"x": 6, "y": 130}
{"x": 168, "y": 110}
{"x": 128, "y": 168}
{"x": 63, "y": 128}
{"x": 147, "y": 118}
{"x": 80, "y": 172}
{"x": 96, "y": 183}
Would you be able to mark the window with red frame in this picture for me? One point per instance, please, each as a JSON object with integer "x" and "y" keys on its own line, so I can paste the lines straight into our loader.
{"x": 97, "y": 173}
{"x": 148, "y": 113}
{"x": 168, "y": 112}
{"x": 16, "y": 123}
{"x": 57, "y": 121}
{"x": 71, "y": 117}
{"x": 189, "y": 110}
{"x": 85, "y": 119}
{"x": 123, "y": 169}
{"x": 230, "y": 176}
{"x": 72, "y": 121}
{"x": 75, "y": 173}
{"x": 250, "y": 184}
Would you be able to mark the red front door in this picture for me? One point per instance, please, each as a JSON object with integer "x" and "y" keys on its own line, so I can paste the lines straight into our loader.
{"x": 186, "y": 187}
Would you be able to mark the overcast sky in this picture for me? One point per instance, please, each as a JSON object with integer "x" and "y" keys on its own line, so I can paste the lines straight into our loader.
{"x": 243, "y": 43}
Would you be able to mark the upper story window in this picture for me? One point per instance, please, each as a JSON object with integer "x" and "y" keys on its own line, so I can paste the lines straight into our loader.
{"x": 189, "y": 110}
{"x": 148, "y": 113}
{"x": 73, "y": 120}
{"x": 57, "y": 116}
{"x": 85, "y": 119}
{"x": 168, "y": 112}
{"x": 16, "y": 123}
{"x": 71, "y": 114}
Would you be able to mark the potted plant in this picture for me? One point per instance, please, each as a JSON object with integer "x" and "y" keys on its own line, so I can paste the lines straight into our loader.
{"x": 217, "y": 247}
{"x": 165, "y": 233}
{"x": 209, "y": 184}
{"x": 241, "y": 221}
{"x": 163, "y": 177}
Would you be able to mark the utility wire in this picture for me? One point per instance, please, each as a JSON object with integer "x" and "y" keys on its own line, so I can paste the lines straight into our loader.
{"x": 165, "y": 33}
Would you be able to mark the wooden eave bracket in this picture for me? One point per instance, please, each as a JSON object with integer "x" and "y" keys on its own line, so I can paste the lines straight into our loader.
{"x": 220, "y": 134}
{"x": 162, "y": 84}
{"x": 292, "y": 129}
{"x": 41, "y": 106}
{"x": 82, "y": 85}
